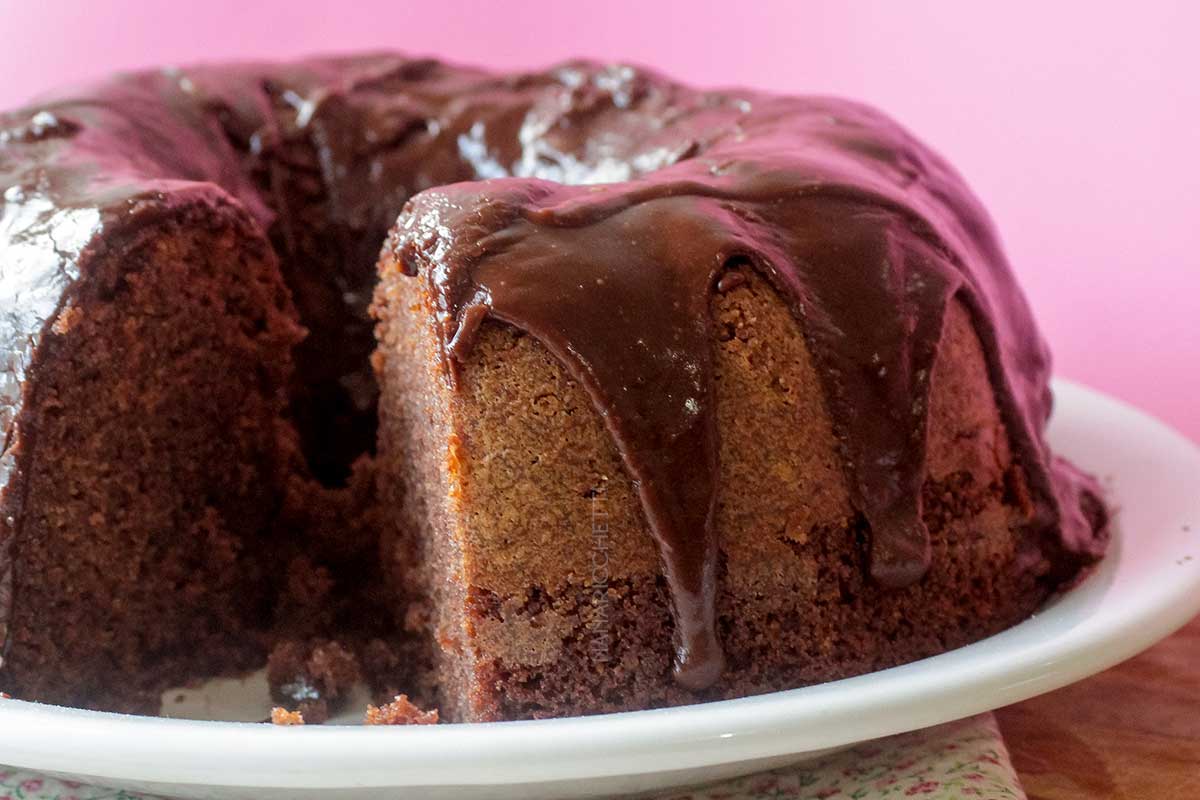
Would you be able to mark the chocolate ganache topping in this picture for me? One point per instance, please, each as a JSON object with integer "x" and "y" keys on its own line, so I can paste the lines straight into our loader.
{"x": 595, "y": 208}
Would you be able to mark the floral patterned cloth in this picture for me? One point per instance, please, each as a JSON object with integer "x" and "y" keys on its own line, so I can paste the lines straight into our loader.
{"x": 964, "y": 760}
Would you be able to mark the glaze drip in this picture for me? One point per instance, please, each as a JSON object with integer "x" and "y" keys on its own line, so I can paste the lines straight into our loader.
{"x": 627, "y": 314}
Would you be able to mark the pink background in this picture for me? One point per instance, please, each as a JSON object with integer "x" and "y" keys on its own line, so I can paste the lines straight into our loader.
{"x": 1078, "y": 125}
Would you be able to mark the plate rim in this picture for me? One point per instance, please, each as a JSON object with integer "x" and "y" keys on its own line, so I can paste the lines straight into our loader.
{"x": 136, "y": 749}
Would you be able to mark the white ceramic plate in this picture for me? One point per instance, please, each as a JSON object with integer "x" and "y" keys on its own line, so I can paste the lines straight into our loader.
{"x": 1146, "y": 588}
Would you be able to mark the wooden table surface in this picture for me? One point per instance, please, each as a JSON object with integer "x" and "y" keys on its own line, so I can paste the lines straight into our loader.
{"x": 1131, "y": 733}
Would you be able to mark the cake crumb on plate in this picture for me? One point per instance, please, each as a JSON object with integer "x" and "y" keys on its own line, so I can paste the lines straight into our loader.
{"x": 281, "y": 716}
{"x": 399, "y": 712}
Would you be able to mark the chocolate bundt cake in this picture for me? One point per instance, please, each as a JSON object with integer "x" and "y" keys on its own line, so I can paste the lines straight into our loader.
{"x": 654, "y": 395}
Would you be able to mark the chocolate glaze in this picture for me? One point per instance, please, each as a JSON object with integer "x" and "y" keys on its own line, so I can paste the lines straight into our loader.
{"x": 595, "y": 208}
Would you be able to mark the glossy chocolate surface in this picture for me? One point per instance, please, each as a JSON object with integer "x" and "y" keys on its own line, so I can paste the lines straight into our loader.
{"x": 595, "y": 208}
